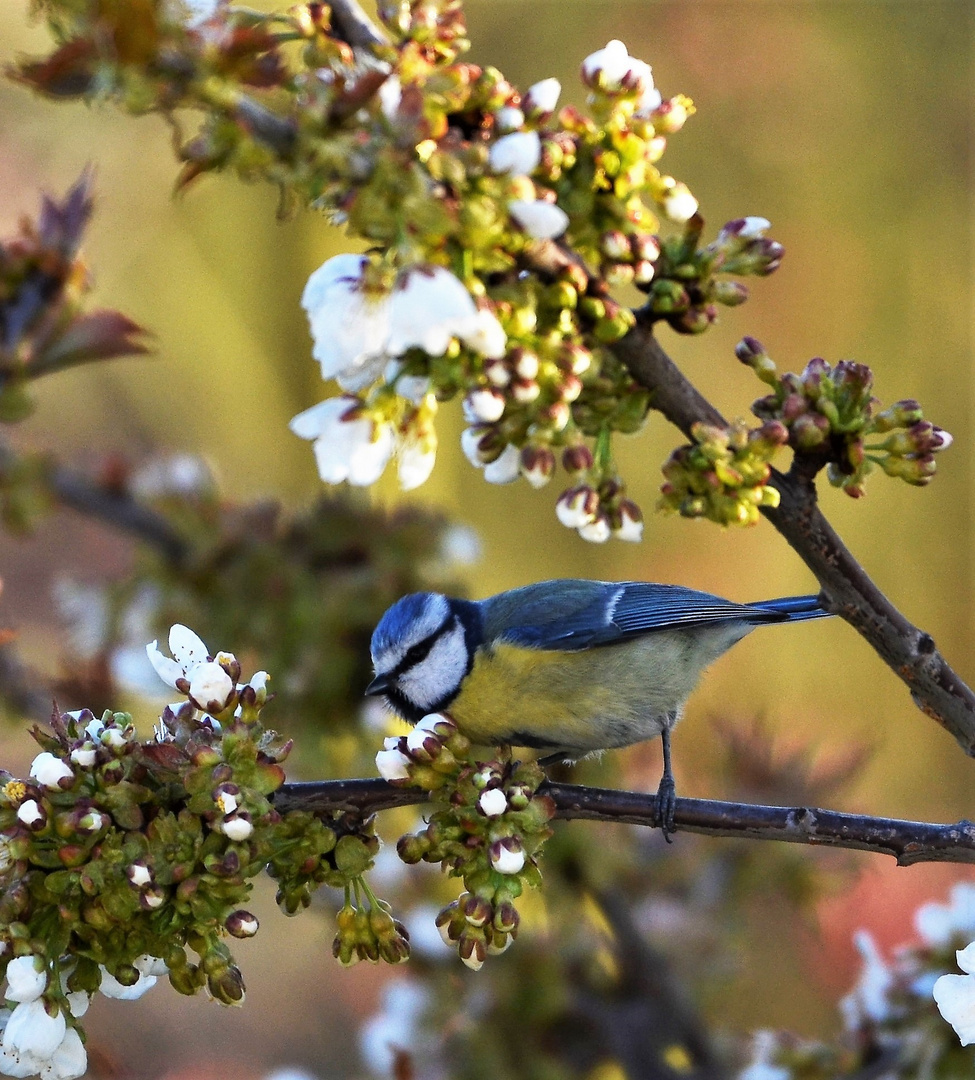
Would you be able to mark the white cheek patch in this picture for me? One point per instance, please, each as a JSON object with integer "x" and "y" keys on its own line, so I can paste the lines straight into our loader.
{"x": 431, "y": 618}
{"x": 437, "y": 677}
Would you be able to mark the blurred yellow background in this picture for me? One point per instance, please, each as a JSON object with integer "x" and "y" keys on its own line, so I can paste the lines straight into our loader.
{"x": 849, "y": 125}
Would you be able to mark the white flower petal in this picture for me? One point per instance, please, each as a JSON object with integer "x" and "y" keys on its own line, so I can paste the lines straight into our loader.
{"x": 367, "y": 456}
{"x": 26, "y": 978}
{"x": 69, "y": 1060}
{"x": 209, "y": 682}
{"x": 484, "y": 406}
{"x": 517, "y": 154}
{"x": 429, "y": 307}
{"x": 540, "y": 219}
{"x": 390, "y": 94}
{"x": 237, "y": 829}
{"x": 509, "y": 118}
{"x": 506, "y": 861}
{"x": 415, "y": 463}
{"x": 186, "y": 646}
{"x": 392, "y": 765}
{"x": 165, "y": 667}
{"x": 30, "y": 1030}
{"x": 611, "y": 63}
{"x": 596, "y": 531}
{"x": 349, "y": 326}
{"x": 679, "y": 204}
{"x": 322, "y": 418}
{"x": 754, "y": 228}
{"x": 49, "y": 770}
{"x": 486, "y": 336}
{"x": 112, "y": 988}
{"x": 955, "y": 997}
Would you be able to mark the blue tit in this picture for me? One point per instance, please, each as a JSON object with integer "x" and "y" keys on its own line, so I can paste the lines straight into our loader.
{"x": 568, "y": 666}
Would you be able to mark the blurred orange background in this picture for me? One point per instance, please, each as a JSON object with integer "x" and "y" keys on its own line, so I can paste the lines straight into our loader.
{"x": 850, "y": 126}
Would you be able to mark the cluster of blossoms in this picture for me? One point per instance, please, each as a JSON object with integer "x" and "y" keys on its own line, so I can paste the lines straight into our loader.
{"x": 891, "y": 1014}
{"x": 117, "y": 856}
{"x": 488, "y": 827}
{"x": 830, "y": 416}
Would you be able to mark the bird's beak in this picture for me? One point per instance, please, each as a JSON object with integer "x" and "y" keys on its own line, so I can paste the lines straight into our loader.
{"x": 379, "y": 685}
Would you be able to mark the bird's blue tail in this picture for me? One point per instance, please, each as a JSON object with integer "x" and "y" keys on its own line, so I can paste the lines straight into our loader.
{"x": 794, "y": 608}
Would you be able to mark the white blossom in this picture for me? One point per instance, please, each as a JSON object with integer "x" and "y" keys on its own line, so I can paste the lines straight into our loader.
{"x": 429, "y": 307}
{"x": 540, "y": 219}
{"x": 350, "y": 324}
{"x": 493, "y": 802}
{"x": 572, "y": 508}
{"x": 392, "y": 763}
{"x": 347, "y": 447}
{"x": 761, "y": 1066}
{"x": 955, "y": 996}
{"x": 226, "y": 802}
{"x": 210, "y": 683}
{"x": 49, "y": 770}
{"x": 518, "y": 154}
{"x": 69, "y": 1060}
{"x": 485, "y": 335}
{"x": 390, "y": 95}
{"x": 151, "y": 965}
{"x": 543, "y": 96}
{"x": 26, "y": 978}
{"x": 415, "y": 461}
{"x": 32, "y": 1031}
{"x": 188, "y": 651}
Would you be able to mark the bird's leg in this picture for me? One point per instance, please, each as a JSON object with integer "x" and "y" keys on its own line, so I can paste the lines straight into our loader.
{"x": 667, "y": 792}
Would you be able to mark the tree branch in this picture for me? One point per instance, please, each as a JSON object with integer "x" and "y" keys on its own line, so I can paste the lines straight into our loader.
{"x": 848, "y": 590}
{"x": 353, "y": 26}
{"x": 908, "y": 842}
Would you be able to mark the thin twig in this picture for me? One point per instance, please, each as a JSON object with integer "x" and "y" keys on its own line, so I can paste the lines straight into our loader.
{"x": 910, "y": 653}
{"x": 908, "y": 842}
{"x": 353, "y": 26}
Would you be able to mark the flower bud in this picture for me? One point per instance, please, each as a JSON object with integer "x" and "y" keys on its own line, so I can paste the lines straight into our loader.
{"x": 537, "y": 465}
{"x": 242, "y": 924}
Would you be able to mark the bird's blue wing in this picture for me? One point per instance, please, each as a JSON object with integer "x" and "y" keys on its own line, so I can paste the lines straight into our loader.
{"x": 568, "y": 615}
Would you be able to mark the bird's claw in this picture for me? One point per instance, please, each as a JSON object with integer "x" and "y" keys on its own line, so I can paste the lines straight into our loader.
{"x": 666, "y": 805}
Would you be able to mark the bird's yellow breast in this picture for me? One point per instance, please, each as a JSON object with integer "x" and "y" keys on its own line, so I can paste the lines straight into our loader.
{"x": 587, "y": 700}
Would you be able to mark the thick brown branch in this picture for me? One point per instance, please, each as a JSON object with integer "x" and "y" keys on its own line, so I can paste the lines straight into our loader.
{"x": 907, "y": 841}
{"x": 847, "y": 588}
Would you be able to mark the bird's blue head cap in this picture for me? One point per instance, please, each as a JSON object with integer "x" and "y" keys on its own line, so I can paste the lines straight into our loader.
{"x": 408, "y": 622}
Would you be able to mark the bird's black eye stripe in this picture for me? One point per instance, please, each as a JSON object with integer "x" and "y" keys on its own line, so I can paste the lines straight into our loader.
{"x": 416, "y": 653}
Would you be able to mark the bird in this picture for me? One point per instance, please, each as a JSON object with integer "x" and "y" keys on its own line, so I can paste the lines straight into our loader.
{"x": 570, "y": 666}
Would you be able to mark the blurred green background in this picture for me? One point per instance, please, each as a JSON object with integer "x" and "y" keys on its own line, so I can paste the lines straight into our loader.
{"x": 850, "y": 126}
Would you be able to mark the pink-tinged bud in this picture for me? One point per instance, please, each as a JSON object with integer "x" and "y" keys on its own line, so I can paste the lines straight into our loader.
{"x": 507, "y": 856}
{"x": 577, "y": 506}
{"x": 575, "y": 358}
{"x": 577, "y": 459}
{"x": 597, "y": 531}
{"x": 472, "y": 951}
{"x": 477, "y": 910}
{"x": 450, "y": 922}
{"x": 617, "y": 275}
{"x": 670, "y": 116}
{"x": 749, "y": 350}
{"x": 525, "y": 391}
{"x": 542, "y": 97}
{"x": 570, "y": 388}
{"x": 537, "y": 465}
{"x": 814, "y": 372}
{"x": 497, "y": 373}
{"x": 643, "y": 272}
{"x": 524, "y": 362}
{"x": 645, "y": 247}
{"x": 506, "y": 918}
{"x": 630, "y": 525}
{"x": 242, "y": 924}
{"x": 730, "y": 293}
{"x": 422, "y": 745}
{"x": 139, "y": 874}
{"x": 483, "y": 406}
{"x": 32, "y": 814}
{"x": 492, "y": 803}
{"x": 615, "y": 245}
